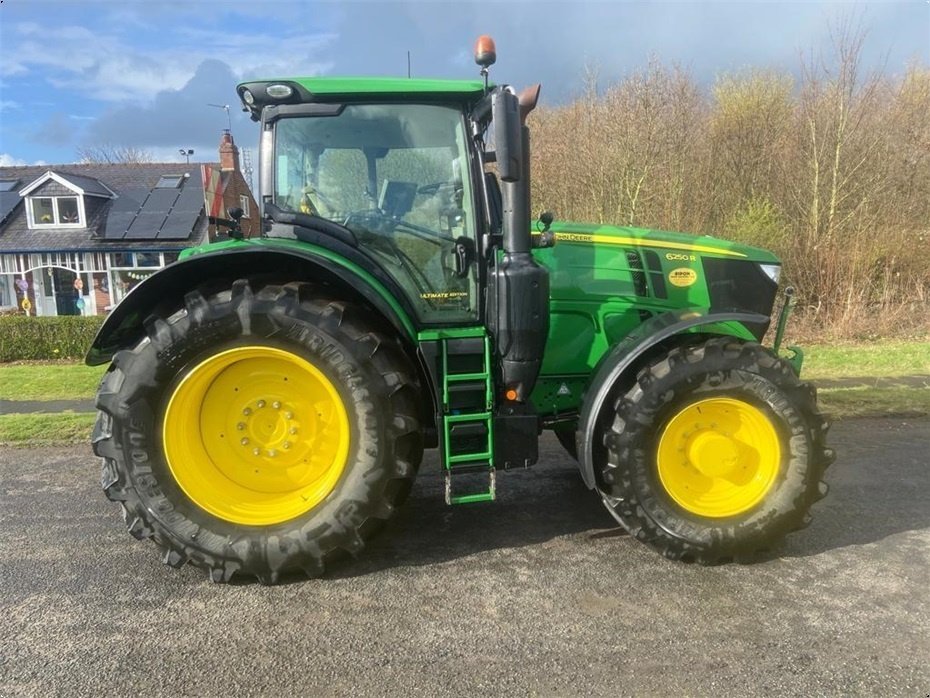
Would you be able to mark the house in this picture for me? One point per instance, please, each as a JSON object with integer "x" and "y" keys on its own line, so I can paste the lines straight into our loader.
{"x": 74, "y": 239}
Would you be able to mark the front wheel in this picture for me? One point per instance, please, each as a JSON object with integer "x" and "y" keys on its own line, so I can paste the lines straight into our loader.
{"x": 715, "y": 453}
{"x": 259, "y": 432}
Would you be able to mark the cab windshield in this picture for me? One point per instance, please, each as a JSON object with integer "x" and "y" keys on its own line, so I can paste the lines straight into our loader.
{"x": 397, "y": 176}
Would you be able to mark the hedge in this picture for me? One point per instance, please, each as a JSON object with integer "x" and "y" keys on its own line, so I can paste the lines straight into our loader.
{"x": 25, "y": 338}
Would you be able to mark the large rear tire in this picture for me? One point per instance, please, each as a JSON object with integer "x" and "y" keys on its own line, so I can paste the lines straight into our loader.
{"x": 259, "y": 432}
{"x": 715, "y": 453}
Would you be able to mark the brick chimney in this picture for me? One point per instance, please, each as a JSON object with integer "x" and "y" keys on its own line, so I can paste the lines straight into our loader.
{"x": 229, "y": 153}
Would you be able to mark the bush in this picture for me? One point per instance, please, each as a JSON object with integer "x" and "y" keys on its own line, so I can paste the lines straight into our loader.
{"x": 41, "y": 338}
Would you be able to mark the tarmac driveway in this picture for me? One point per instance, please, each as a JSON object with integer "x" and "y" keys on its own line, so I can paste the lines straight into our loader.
{"x": 535, "y": 594}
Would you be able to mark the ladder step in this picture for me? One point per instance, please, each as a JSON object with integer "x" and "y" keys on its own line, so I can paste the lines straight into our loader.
{"x": 461, "y": 377}
{"x": 470, "y": 457}
{"x": 471, "y": 498}
{"x": 469, "y": 417}
{"x": 488, "y": 496}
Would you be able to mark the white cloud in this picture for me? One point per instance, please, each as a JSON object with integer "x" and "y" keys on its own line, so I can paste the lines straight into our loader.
{"x": 7, "y": 160}
{"x": 114, "y": 64}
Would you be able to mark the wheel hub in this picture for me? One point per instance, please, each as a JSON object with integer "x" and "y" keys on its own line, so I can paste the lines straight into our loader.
{"x": 256, "y": 435}
{"x": 718, "y": 457}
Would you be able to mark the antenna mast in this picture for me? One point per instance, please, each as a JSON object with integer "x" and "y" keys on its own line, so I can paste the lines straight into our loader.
{"x": 228, "y": 118}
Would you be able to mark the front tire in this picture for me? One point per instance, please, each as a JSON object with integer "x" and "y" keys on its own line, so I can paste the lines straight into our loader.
{"x": 715, "y": 453}
{"x": 259, "y": 432}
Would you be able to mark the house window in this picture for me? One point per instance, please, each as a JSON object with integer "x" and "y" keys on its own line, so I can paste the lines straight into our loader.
{"x": 129, "y": 268}
{"x": 244, "y": 205}
{"x": 169, "y": 181}
{"x": 54, "y": 211}
{"x": 8, "y": 184}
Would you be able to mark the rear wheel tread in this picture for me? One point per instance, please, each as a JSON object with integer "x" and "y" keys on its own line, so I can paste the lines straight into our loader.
{"x": 126, "y": 394}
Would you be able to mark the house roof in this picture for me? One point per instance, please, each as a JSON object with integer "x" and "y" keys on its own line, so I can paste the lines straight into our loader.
{"x": 80, "y": 184}
{"x": 139, "y": 216}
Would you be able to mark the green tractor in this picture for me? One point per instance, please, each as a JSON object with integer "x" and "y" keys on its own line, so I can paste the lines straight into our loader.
{"x": 269, "y": 400}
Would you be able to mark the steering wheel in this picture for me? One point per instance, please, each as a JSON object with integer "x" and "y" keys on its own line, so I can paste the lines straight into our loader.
{"x": 373, "y": 219}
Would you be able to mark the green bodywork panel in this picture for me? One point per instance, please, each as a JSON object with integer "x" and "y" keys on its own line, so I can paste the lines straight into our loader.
{"x": 306, "y": 249}
{"x": 598, "y": 295}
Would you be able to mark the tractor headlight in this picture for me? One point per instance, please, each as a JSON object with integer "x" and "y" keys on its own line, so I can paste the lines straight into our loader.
{"x": 773, "y": 271}
{"x": 248, "y": 97}
{"x": 279, "y": 91}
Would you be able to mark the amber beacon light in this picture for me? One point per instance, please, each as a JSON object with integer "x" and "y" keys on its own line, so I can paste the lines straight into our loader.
{"x": 485, "y": 52}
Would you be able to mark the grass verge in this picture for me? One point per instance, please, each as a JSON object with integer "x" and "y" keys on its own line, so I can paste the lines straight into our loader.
{"x": 841, "y": 403}
{"x": 74, "y": 381}
{"x": 881, "y": 359}
{"x": 49, "y": 381}
{"x": 46, "y": 429}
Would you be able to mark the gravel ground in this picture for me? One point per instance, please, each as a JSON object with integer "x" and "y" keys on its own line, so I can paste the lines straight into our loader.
{"x": 535, "y": 594}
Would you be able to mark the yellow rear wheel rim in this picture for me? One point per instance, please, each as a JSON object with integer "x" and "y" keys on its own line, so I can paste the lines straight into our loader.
{"x": 719, "y": 457}
{"x": 256, "y": 435}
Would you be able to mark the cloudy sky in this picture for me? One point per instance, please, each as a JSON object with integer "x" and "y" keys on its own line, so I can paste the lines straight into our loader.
{"x": 143, "y": 73}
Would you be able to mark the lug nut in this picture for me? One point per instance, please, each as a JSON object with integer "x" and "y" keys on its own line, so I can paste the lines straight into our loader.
{"x": 276, "y": 405}
{"x": 293, "y": 430}
{"x": 245, "y": 441}
{"x": 272, "y": 453}
{"x": 289, "y": 415}
{"x": 260, "y": 404}
{"x": 247, "y": 411}
{"x": 286, "y": 445}
{"x": 240, "y": 426}
{"x": 256, "y": 451}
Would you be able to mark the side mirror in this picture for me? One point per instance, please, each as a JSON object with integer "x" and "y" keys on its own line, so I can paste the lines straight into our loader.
{"x": 235, "y": 213}
{"x": 508, "y": 143}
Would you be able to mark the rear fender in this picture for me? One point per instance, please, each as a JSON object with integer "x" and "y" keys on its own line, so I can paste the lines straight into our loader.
{"x": 164, "y": 290}
{"x": 623, "y": 358}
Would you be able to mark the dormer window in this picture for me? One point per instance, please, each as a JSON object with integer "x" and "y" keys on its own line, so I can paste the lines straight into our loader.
{"x": 55, "y": 212}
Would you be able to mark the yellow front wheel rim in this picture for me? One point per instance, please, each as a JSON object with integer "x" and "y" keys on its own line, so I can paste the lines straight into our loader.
{"x": 256, "y": 435}
{"x": 719, "y": 457}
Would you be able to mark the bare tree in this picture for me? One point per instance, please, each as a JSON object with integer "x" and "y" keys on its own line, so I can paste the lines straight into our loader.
{"x": 111, "y": 154}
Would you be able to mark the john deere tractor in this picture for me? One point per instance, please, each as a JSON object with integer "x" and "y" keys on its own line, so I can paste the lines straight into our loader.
{"x": 269, "y": 399}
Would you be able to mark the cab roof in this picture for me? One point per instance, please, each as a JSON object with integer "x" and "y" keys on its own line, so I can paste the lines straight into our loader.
{"x": 384, "y": 86}
{"x": 332, "y": 89}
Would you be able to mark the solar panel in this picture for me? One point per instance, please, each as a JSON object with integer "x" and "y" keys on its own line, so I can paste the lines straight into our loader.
{"x": 160, "y": 200}
{"x": 8, "y": 201}
{"x": 117, "y": 224}
{"x": 191, "y": 199}
{"x": 179, "y": 226}
{"x": 146, "y": 225}
{"x": 122, "y": 211}
{"x": 129, "y": 200}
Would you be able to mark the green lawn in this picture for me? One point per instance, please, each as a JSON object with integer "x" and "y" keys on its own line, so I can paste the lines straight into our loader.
{"x": 49, "y": 381}
{"x": 46, "y": 429}
{"x": 874, "y": 402}
{"x": 887, "y": 358}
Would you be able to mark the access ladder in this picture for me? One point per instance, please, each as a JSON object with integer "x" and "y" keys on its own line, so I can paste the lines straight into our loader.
{"x": 467, "y": 435}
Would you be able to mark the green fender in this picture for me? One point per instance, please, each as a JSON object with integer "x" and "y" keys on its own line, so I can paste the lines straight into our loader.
{"x": 624, "y": 354}
{"x": 284, "y": 260}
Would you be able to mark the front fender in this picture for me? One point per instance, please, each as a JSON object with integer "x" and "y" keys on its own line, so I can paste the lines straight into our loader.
{"x": 623, "y": 356}
{"x": 285, "y": 261}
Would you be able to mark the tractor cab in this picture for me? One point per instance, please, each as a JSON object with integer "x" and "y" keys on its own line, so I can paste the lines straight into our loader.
{"x": 398, "y": 177}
